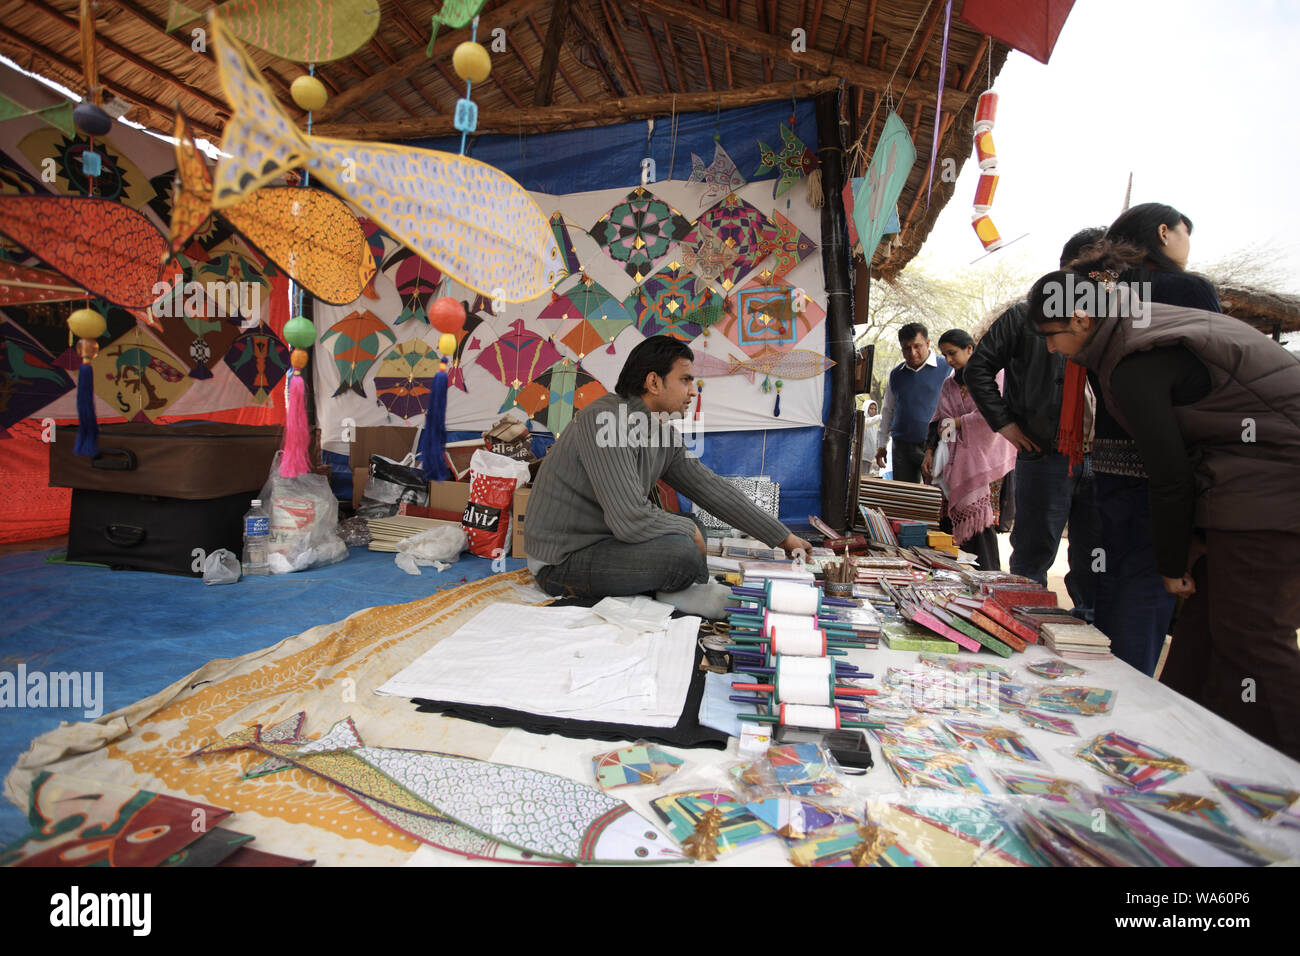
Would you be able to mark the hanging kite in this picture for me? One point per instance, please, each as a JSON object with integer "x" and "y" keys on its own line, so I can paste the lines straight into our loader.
{"x": 793, "y": 163}
{"x": 749, "y": 231}
{"x": 667, "y": 304}
{"x": 113, "y": 251}
{"x": 20, "y": 284}
{"x": 118, "y": 177}
{"x": 455, "y": 373}
{"x": 518, "y": 357}
{"x": 29, "y": 379}
{"x": 305, "y": 31}
{"x": 308, "y": 233}
{"x": 473, "y": 222}
{"x": 789, "y": 246}
{"x": 880, "y": 188}
{"x": 455, "y": 14}
{"x": 767, "y": 314}
{"x": 135, "y": 376}
{"x": 560, "y": 229}
{"x": 720, "y": 178}
{"x": 599, "y": 316}
{"x": 405, "y": 377}
{"x": 416, "y": 283}
{"x": 639, "y": 231}
{"x": 59, "y": 115}
{"x": 259, "y": 360}
{"x": 190, "y": 334}
{"x": 358, "y": 338}
{"x": 559, "y": 393}
{"x": 709, "y": 256}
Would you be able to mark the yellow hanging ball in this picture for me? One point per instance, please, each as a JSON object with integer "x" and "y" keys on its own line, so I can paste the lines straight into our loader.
{"x": 87, "y": 324}
{"x": 471, "y": 62}
{"x": 446, "y": 343}
{"x": 308, "y": 92}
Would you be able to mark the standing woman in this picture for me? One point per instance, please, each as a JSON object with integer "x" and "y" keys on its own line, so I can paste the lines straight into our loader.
{"x": 1214, "y": 408}
{"x": 1133, "y": 607}
{"x": 978, "y": 458}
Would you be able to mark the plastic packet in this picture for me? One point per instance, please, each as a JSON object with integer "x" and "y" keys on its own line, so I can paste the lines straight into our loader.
{"x": 1054, "y": 669}
{"x": 952, "y": 829}
{"x": 641, "y": 763}
{"x": 1028, "y": 784}
{"x": 390, "y": 485}
{"x": 304, "y": 515}
{"x": 1267, "y": 803}
{"x": 708, "y": 822}
{"x": 853, "y": 844}
{"x": 439, "y": 547}
{"x": 798, "y": 769}
{"x": 354, "y": 531}
{"x": 797, "y": 818}
{"x": 916, "y": 765}
{"x": 221, "y": 567}
{"x": 917, "y": 729}
{"x": 1132, "y": 762}
{"x": 1085, "y": 701}
{"x": 991, "y": 740}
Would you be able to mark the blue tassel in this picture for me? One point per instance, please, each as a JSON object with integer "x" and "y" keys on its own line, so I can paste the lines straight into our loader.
{"x": 87, "y": 426}
{"x": 433, "y": 442}
{"x": 777, "y": 410}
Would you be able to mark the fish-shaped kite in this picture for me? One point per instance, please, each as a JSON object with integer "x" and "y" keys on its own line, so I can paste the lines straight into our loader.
{"x": 20, "y": 284}
{"x": 721, "y": 177}
{"x": 305, "y": 31}
{"x": 472, "y": 221}
{"x": 790, "y": 363}
{"x": 520, "y": 811}
{"x": 455, "y": 14}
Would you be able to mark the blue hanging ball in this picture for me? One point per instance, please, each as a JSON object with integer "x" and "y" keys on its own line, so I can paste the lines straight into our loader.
{"x": 90, "y": 119}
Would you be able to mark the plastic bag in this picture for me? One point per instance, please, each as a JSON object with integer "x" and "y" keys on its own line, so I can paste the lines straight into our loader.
{"x": 492, "y": 480}
{"x": 391, "y": 484}
{"x": 436, "y": 547}
{"x": 304, "y": 518}
{"x": 221, "y": 567}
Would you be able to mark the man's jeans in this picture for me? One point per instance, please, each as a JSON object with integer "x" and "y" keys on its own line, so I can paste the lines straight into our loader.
{"x": 1048, "y": 498}
{"x": 612, "y": 568}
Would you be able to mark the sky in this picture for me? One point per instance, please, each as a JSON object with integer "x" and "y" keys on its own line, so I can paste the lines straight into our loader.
{"x": 1196, "y": 98}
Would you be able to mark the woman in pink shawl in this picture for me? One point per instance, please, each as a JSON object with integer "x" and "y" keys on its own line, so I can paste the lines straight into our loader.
{"x": 978, "y": 457}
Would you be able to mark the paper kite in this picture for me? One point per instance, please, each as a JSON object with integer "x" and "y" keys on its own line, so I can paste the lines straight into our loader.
{"x": 638, "y": 764}
{"x": 1190, "y": 804}
{"x": 600, "y": 317}
{"x": 792, "y": 163}
{"x": 472, "y": 807}
{"x": 953, "y": 833}
{"x": 736, "y": 826}
{"x": 748, "y": 230}
{"x": 794, "y": 818}
{"x": 709, "y": 256}
{"x": 917, "y": 766}
{"x": 1263, "y": 802}
{"x": 1039, "y": 785}
{"x": 518, "y": 357}
{"x": 59, "y": 115}
{"x": 770, "y": 316}
{"x": 192, "y": 336}
{"x": 118, "y": 178}
{"x": 720, "y": 178}
{"x": 464, "y": 339}
{"x": 559, "y": 393}
{"x": 404, "y": 378}
{"x": 639, "y": 231}
{"x": 308, "y": 233}
{"x": 473, "y": 222}
{"x": 568, "y": 253}
{"x": 995, "y": 741}
{"x": 789, "y": 246}
{"x": 1074, "y": 700}
{"x": 1140, "y": 766}
{"x": 1048, "y": 722}
{"x": 454, "y": 13}
{"x": 416, "y": 283}
{"x": 357, "y": 341}
{"x": 875, "y": 198}
{"x": 23, "y": 284}
{"x": 305, "y": 31}
{"x": 29, "y": 379}
{"x": 259, "y": 359}
{"x": 137, "y": 376}
{"x": 667, "y": 304}
{"x": 853, "y": 844}
{"x": 111, "y": 250}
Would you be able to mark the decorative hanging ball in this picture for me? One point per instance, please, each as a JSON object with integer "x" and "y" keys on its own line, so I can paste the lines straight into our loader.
{"x": 471, "y": 62}
{"x": 90, "y": 119}
{"x": 446, "y": 343}
{"x": 300, "y": 332}
{"x": 447, "y": 314}
{"x": 87, "y": 324}
{"x": 298, "y": 359}
{"x": 308, "y": 92}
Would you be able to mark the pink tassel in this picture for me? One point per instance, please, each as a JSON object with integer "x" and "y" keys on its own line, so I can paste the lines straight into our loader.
{"x": 294, "y": 460}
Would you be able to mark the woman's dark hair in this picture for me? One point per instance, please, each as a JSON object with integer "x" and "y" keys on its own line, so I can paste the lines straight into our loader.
{"x": 958, "y": 337}
{"x": 657, "y": 354}
{"x": 1077, "y": 242}
{"x": 1053, "y": 297}
{"x": 1140, "y": 226}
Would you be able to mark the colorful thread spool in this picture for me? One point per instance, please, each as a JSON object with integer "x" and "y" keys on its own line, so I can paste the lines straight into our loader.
{"x": 986, "y": 111}
{"x": 984, "y": 190}
{"x": 818, "y": 718}
{"x": 987, "y": 232}
{"x": 984, "y": 150}
{"x": 790, "y": 597}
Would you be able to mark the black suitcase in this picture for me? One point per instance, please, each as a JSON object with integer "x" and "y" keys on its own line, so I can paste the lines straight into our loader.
{"x": 149, "y": 533}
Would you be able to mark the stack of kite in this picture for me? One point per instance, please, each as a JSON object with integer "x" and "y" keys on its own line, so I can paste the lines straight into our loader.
{"x": 985, "y": 114}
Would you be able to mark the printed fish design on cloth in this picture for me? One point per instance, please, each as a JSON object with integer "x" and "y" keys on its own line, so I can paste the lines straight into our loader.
{"x": 472, "y": 807}
{"x": 720, "y": 177}
{"x": 469, "y": 219}
{"x": 709, "y": 256}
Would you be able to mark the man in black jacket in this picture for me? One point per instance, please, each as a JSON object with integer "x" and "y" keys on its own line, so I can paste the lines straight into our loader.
{"x": 1027, "y": 413}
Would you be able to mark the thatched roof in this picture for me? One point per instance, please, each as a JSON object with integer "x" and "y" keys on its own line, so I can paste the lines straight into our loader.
{"x": 1270, "y": 312}
{"x": 568, "y": 63}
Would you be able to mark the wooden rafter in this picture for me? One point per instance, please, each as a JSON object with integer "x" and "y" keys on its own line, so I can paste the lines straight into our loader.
{"x": 543, "y": 93}
{"x": 654, "y": 48}
{"x": 926, "y": 35}
{"x": 603, "y": 24}
{"x": 564, "y": 74}
{"x": 704, "y": 58}
{"x": 584, "y": 114}
{"x": 607, "y": 66}
{"x": 505, "y": 15}
{"x": 677, "y": 11}
{"x": 766, "y": 28}
{"x": 672, "y": 52}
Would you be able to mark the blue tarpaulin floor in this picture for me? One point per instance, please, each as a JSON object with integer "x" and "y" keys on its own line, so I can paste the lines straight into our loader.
{"x": 144, "y": 631}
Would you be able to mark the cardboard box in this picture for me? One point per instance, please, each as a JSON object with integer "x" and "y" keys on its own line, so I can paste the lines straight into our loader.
{"x": 517, "y": 522}
{"x": 448, "y": 496}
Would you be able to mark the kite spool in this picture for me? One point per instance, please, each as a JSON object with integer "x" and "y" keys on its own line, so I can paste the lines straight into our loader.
{"x": 799, "y": 643}
{"x": 805, "y": 715}
{"x": 790, "y": 597}
{"x": 787, "y": 622}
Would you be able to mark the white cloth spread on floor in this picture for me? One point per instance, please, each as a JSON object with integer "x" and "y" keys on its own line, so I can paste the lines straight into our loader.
{"x": 558, "y": 662}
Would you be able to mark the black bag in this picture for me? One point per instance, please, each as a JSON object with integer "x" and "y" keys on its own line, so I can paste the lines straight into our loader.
{"x": 390, "y": 485}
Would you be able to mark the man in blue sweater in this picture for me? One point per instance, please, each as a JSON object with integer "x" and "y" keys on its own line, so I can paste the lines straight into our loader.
{"x": 911, "y": 396}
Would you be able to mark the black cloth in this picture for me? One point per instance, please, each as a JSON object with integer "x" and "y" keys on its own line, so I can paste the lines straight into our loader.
{"x": 1032, "y": 381}
{"x": 687, "y": 732}
{"x": 1146, "y": 386}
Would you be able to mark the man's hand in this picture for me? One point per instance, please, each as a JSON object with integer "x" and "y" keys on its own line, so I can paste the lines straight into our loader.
{"x": 701, "y": 543}
{"x": 1013, "y": 434}
{"x": 793, "y": 543}
{"x": 927, "y": 464}
{"x": 881, "y": 454}
{"x": 1180, "y": 587}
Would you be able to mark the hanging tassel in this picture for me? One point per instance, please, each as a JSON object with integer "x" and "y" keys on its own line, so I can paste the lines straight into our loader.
{"x": 433, "y": 441}
{"x": 776, "y": 411}
{"x": 816, "y": 198}
{"x": 87, "y": 442}
{"x": 699, "y": 399}
{"x": 294, "y": 460}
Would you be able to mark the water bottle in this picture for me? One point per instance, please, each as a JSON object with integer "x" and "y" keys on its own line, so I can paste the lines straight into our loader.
{"x": 257, "y": 534}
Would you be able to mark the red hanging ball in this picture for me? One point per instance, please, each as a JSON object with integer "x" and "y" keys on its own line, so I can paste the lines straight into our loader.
{"x": 447, "y": 314}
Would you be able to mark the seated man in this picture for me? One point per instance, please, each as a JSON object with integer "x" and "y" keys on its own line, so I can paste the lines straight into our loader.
{"x": 592, "y": 530}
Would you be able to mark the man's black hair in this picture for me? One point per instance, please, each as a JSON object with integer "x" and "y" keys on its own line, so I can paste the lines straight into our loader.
{"x": 1077, "y": 242}
{"x": 657, "y": 354}
{"x": 911, "y": 331}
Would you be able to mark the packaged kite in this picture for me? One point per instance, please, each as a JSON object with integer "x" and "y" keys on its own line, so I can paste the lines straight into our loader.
{"x": 486, "y": 520}
{"x": 952, "y": 829}
{"x": 630, "y": 766}
{"x": 1132, "y": 762}
{"x": 797, "y": 769}
{"x": 990, "y": 741}
{"x": 1266, "y": 803}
